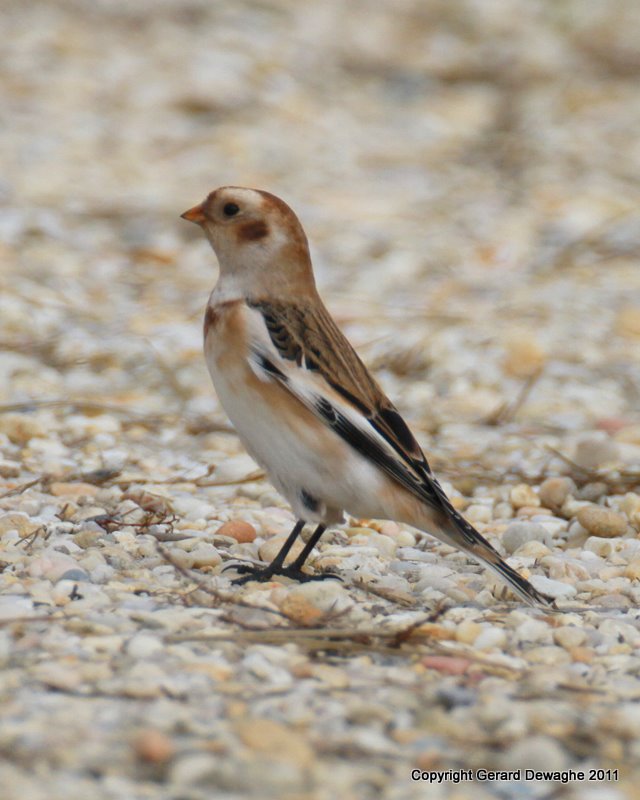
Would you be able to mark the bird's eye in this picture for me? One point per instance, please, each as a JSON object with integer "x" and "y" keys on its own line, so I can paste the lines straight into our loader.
{"x": 230, "y": 210}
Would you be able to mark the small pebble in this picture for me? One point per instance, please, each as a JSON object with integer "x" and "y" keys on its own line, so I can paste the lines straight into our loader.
{"x": 569, "y": 636}
{"x": 87, "y": 538}
{"x": 518, "y": 533}
{"x": 490, "y": 638}
{"x": 153, "y": 746}
{"x": 52, "y": 565}
{"x": 15, "y": 606}
{"x": 204, "y": 555}
{"x": 74, "y": 575}
{"x": 478, "y": 513}
{"x": 632, "y": 570}
{"x": 309, "y": 602}
{"x": 537, "y": 753}
{"x": 193, "y": 769}
{"x": 630, "y": 503}
{"x": 533, "y": 630}
{"x": 144, "y": 645}
{"x": 20, "y": 428}
{"x": 523, "y": 495}
{"x": 592, "y": 492}
{"x": 467, "y": 632}
{"x": 524, "y": 356}
{"x": 627, "y": 322}
{"x": 383, "y": 544}
{"x": 301, "y": 610}
{"x": 9, "y": 469}
{"x": 533, "y": 549}
{"x": 276, "y": 740}
{"x": 239, "y": 530}
{"x": 552, "y": 588}
{"x": 600, "y": 546}
{"x": 59, "y": 489}
{"x": 554, "y": 492}
{"x": 602, "y": 522}
{"x": 15, "y": 520}
{"x": 596, "y": 450}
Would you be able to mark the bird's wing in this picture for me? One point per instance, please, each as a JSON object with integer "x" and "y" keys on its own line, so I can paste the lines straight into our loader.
{"x": 308, "y": 354}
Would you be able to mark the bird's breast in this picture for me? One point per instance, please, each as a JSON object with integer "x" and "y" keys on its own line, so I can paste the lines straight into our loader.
{"x": 225, "y": 334}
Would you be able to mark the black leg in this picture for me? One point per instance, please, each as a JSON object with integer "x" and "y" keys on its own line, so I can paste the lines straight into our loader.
{"x": 276, "y": 567}
{"x": 278, "y": 561}
{"x": 313, "y": 541}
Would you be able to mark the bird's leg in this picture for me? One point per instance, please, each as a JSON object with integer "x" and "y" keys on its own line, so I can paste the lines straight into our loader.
{"x": 277, "y": 567}
{"x": 265, "y": 573}
{"x": 313, "y": 541}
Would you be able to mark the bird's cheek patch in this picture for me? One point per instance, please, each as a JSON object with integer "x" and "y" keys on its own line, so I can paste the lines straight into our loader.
{"x": 253, "y": 231}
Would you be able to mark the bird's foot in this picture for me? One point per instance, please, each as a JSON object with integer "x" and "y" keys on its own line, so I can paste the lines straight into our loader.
{"x": 253, "y": 572}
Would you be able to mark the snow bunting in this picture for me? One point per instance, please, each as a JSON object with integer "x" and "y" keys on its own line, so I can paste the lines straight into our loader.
{"x": 301, "y": 400}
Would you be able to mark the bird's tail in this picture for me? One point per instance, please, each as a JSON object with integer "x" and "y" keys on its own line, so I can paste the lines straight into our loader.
{"x": 455, "y": 530}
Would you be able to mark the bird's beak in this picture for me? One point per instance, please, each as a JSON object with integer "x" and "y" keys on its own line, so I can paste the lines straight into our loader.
{"x": 195, "y": 214}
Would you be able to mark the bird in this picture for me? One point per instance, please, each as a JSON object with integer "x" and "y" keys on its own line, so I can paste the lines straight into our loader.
{"x": 302, "y": 402}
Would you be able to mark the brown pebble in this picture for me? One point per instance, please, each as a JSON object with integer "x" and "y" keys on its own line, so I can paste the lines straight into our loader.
{"x": 16, "y": 520}
{"x": 533, "y": 511}
{"x": 431, "y": 630}
{"x": 602, "y": 522}
{"x": 523, "y": 495}
{"x": 582, "y": 654}
{"x": 9, "y": 469}
{"x": 627, "y": 322}
{"x": 87, "y": 538}
{"x": 239, "y": 530}
{"x": 276, "y": 740}
{"x": 468, "y": 631}
{"x": 76, "y": 489}
{"x": 429, "y": 759}
{"x": 448, "y": 665}
{"x": 153, "y": 746}
{"x": 300, "y": 610}
{"x": 554, "y": 491}
{"x": 524, "y": 357}
{"x": 20, "y": 428}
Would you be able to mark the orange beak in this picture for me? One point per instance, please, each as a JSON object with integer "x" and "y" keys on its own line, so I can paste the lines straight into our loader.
{"x": 195, "y": 214}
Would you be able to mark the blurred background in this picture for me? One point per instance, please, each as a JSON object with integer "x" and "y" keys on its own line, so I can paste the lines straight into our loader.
{"x": 467, "y": 172}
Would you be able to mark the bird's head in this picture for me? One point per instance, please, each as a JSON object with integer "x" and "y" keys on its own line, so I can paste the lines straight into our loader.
{"x": 257, "y": 238}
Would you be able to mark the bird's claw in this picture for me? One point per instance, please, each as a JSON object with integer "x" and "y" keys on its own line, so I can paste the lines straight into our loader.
{"x": 253, "y": 572}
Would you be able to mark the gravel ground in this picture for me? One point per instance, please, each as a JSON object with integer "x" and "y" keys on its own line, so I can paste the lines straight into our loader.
{"x": 468, "y": 174}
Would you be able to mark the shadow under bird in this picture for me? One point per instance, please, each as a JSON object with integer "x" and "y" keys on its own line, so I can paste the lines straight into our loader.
{"x": 302, "y": 402}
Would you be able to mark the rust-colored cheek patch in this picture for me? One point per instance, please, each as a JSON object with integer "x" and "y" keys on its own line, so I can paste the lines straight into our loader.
{"x": 253, "y": 231}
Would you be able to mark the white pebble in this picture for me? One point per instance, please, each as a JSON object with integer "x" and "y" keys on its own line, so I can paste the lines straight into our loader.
{"x": 13, "y": 605}
{"x": 536, "y": 752}
{"x": 144, "y": 645}
{"x": 595, "y": 450}
{"x": 519, "y": 533}
{"x": 533, "y": 630}
{"x": 569, "y": 636}
{"x": 490, "y": 638}
{"x": 552, "y": 588}
{"x": 478, "y": 513}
